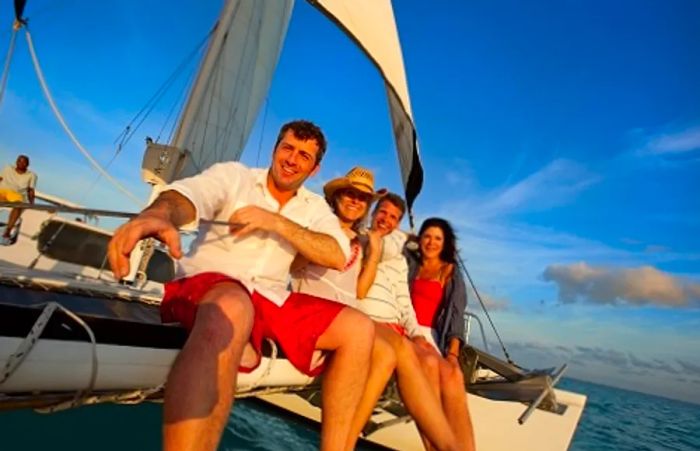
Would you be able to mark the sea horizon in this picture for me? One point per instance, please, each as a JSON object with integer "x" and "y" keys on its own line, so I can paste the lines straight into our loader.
{"x": 631, "y": 390}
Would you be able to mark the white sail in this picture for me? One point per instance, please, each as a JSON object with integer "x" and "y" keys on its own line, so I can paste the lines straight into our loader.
{"x": 371, "y": 24}
{"x": 232, "y": 83}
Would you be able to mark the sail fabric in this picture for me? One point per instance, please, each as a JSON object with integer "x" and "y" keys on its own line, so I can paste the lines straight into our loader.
{"x": 371, "y": 24}
{"x": 232, "y": 83}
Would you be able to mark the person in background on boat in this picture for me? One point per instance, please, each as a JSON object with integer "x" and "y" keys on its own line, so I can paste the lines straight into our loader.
{"x": 17, "y": 184}
{"x": 234, "y": 284}
{"x": 350, "y": 198}
{"x": 439, "y": 298}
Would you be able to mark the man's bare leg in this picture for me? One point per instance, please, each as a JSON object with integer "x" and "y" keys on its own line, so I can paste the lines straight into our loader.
{"x": 201, "y": 384}
{"x": 454, "y": 401}
{"x": 11, "y": 221}
{"x": 349, "y": 337}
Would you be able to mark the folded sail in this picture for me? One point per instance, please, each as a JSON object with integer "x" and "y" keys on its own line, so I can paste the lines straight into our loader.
{"x": 370, "y": 23}
{"x": 232, "y": 82}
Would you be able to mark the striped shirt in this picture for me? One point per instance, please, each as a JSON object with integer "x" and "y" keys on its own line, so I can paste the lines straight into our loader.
{"x": 388, "y": 299}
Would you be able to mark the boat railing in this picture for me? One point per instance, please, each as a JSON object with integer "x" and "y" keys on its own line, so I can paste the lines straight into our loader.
{"x": 468, "y": 317}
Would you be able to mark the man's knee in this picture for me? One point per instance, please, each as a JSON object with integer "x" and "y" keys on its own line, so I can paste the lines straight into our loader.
{"x": 356, "y": 325}
{"x": 383, "y": 355}
{"x": 232, "y": 299}
{"x": 225, "y": 312}
{"x": 431, "y": 363}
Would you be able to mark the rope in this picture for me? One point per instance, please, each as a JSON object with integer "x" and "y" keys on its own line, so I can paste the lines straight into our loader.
{"x": 67, "y": 129}
{"x": 128, "y": 397}
{"x": 483, "y": 306}
{"x": 24, "y": 348}
{"x": 8, "y": 61}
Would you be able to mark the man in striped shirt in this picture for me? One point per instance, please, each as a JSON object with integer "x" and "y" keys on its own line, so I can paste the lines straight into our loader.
{"x": 388, "y": 299}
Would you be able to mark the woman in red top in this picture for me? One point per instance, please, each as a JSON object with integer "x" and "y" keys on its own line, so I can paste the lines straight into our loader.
{"x": 439, "y": 298}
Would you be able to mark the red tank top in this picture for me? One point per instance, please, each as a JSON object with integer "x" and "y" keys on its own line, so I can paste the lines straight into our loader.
{"x": 426, "y": 296}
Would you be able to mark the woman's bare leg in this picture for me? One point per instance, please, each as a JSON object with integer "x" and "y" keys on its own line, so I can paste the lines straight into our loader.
{"x": 430, "y": 363}
{"x": 419, "y": 398}
{"x": 454, "y": 401}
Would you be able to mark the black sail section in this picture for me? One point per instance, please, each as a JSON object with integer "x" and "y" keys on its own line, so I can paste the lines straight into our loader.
{"x": 380, "y": 44}
{"x": 19, "y": 10}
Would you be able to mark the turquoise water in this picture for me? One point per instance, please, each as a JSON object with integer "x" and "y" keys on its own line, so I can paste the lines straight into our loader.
{"x": 614, "y": 419}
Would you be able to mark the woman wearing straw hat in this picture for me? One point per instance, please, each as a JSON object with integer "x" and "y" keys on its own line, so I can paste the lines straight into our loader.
{"x": 350, "y": 198}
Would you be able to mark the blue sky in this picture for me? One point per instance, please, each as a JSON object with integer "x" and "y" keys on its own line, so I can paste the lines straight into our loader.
{"x": 561, "y": 138}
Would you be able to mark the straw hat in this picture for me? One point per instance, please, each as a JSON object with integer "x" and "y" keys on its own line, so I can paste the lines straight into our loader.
{"x": 357, "y": 178}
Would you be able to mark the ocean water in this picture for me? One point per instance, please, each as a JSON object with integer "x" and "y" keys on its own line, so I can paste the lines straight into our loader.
{"x": 623, "y": 420}
{"x": 614, "y": 419}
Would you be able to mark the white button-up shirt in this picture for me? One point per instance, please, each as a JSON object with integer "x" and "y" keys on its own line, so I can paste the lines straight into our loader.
{"x": 260, "y": 260}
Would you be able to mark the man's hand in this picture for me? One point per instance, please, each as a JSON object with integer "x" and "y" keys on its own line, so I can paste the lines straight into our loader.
{"x": 251, "y": 218}
{"x": 149, "y": 224}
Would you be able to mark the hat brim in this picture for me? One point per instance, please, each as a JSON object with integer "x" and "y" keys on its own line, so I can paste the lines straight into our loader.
{"x": 330, "y": 188}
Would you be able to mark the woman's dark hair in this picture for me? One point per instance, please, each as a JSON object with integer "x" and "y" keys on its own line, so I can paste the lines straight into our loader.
{"x": 449, "y": 247}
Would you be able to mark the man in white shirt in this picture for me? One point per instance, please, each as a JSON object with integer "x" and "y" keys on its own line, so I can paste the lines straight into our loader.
{"x": 16, "y": 185}
{"x": 234, "y": 288}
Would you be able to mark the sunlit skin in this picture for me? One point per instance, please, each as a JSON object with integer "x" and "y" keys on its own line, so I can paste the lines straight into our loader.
{"x": 445, "y": 374}
{"x": 21, "y": 165}
{"x": 293, "y": 161}
{"x": 351, "y": 205}
{"x": 393, "y": 353}
{"x": 386, "y": 218}
{"x": 431, "y": 244}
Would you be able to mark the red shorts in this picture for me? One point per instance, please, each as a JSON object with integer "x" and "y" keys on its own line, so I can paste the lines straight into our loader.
{"x": 295, "y": 326}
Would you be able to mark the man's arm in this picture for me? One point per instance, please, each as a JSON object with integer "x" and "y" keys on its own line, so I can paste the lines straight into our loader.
{"x": 30, "y": 194}
{"x": 160, "y": 220}
{"x": 316, "y": 247}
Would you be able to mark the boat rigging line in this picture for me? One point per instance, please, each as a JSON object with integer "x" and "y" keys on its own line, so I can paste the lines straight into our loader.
{"x": 95, "y": 212}
{"x": 49, "y": 98}
{"x": 146, "y": 110}
{"x": 8, "y": 58}
{"x": 463, "y": 267}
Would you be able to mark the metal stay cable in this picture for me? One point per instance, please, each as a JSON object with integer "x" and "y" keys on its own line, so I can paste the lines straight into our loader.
{"x": 67, "y": 129}
{"x": 8, "y": 61}
{"x": 93, "y": 211}
{"x": 146, "y": 110}
{"x": 483, "y": 306}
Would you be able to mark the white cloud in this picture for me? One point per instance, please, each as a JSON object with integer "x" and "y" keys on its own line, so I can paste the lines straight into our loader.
{"x": 622, "y": 286}
{"x": 684, "y": 141}
{"x": 557, "y": 183}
